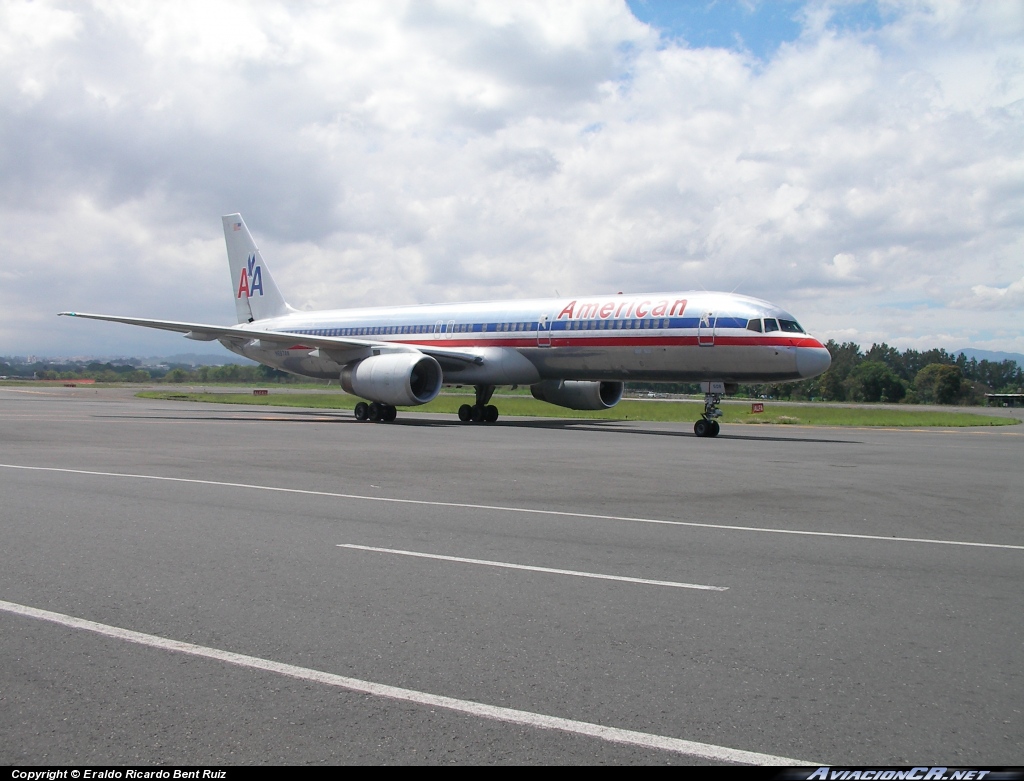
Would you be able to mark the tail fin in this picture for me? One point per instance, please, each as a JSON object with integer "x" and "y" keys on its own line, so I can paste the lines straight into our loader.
{"x": 256, "y": 295}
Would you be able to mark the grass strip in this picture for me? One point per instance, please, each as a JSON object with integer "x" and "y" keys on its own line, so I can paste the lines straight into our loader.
{"x": 667, "y": 411}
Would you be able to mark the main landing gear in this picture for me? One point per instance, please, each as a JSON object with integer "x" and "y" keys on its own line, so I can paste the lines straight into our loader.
{"x": 481, "y": 412}
{"x": 374, "y": 412}
{"x": 708, "y": 426}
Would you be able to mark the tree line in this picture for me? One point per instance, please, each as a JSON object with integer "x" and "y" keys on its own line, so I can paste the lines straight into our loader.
{"x": 132, "y": 372}
{"x": 884, "y": 374}
{"x": 881, "y": 374}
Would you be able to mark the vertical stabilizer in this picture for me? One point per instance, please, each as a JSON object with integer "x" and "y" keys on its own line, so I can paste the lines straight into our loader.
{"x": 256, "y": 295}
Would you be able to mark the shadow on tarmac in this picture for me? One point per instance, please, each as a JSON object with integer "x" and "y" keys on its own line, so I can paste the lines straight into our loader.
{"x": 261, "y": 415}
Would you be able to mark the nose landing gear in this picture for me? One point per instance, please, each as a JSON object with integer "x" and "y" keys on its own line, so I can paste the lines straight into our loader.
{"x": 708, "y": 425}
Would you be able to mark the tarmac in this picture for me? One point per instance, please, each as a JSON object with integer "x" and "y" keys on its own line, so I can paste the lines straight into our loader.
{"x": 215, "y": 585}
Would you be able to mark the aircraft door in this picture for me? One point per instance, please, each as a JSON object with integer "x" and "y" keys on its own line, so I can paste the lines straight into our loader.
{"x": 706, "y": 329}
{"x": 544, "y": 331}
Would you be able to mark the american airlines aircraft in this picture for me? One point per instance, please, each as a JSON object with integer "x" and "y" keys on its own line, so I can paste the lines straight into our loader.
{"x": 572, "y": 352}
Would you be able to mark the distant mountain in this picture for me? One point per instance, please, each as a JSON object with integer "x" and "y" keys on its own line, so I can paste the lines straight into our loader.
{"x": 993, "y": 356}
{"x": 222, "y": 358}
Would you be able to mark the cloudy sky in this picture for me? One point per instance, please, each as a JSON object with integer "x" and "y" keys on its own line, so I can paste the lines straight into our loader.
{"x": 860, "y": 164}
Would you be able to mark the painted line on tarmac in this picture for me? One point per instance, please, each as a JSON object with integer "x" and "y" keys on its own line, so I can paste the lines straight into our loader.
{"x": 481, "y": 710}
{"x": 524, "y": 510}
{"x": 32, "y": 392}
{"x": 507, "y": 565}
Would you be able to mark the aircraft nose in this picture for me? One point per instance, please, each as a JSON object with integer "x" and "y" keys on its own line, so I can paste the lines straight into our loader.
{"x": 812, "y": 361}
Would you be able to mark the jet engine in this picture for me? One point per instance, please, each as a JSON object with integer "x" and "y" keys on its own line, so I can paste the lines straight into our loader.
{"x": 576, "y": 394}
{"x": 398, "y": 379}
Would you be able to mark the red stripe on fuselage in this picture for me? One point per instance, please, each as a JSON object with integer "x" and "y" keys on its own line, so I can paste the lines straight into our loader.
{"x": 620, "y": 341}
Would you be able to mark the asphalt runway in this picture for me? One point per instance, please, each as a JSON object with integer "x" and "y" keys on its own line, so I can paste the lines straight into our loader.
{"x": 595, "y": 592}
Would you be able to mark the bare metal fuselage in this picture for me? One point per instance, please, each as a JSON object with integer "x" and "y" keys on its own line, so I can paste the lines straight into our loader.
{"x": 662, "y": 337}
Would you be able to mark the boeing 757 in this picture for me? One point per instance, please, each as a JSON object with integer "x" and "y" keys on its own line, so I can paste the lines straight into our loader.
{"x": 572, "y": 352}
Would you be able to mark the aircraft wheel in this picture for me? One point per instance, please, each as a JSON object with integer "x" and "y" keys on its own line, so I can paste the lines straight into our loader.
{"x": 465, "y": 413}
{"x": 490, "y": 413}
{"x": 390, "y": 413}
{"x": 701, "y": 428}
{"x": 716, "y": 429}
{"x": 362, "y": 410}
{"x": 375, "y": 412}
{"x": 476, "y": 413}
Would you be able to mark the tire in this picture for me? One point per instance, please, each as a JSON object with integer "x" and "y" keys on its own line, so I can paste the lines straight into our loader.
{"x": 362, "y": 411}
{"x": 701, "y": 428}
{"x": 465, "y": 413}
{"x": 716, "y": 429}
{"x": 375, "y": 412}
{"x": 476, "y": 413}
{"x": 490, "y": 413}
{"x": 390, "y": 413}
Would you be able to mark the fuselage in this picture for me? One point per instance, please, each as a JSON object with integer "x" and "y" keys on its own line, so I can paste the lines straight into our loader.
{"x": 661, "y": 337}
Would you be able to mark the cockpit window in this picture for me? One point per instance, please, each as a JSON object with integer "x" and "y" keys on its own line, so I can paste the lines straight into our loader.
{"x": 754, "y": 325}
{"x": 791, "y": 326}
{"x": 770, "y": 324}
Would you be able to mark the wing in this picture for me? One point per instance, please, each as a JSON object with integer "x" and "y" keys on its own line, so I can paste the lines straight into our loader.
{"x": 339, "y": 349}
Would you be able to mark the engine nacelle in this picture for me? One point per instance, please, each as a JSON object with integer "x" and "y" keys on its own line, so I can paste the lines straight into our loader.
{"x": 398, "y": 379}
{"x": 577, "y": 394}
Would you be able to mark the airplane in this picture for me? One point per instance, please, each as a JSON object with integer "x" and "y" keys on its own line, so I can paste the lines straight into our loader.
{"x": 576, "y": 353}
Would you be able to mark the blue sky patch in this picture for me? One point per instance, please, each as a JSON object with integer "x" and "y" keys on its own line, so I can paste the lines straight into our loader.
{"x": 758, "y": 26}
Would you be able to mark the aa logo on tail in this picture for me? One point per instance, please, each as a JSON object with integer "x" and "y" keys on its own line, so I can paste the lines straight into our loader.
{"x": 251, "y": 280}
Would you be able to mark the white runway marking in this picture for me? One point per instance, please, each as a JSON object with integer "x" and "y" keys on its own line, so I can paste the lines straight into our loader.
{"x": 495, "y": 712}
{"x": 525, "y": 510}
{"x": 507, "y": 565}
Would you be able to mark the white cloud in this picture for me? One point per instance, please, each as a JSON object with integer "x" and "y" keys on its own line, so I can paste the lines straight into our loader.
{"x": 843, "y": 266}
{"x": 986, "y": 297}
{"x": 420, "y": 151}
